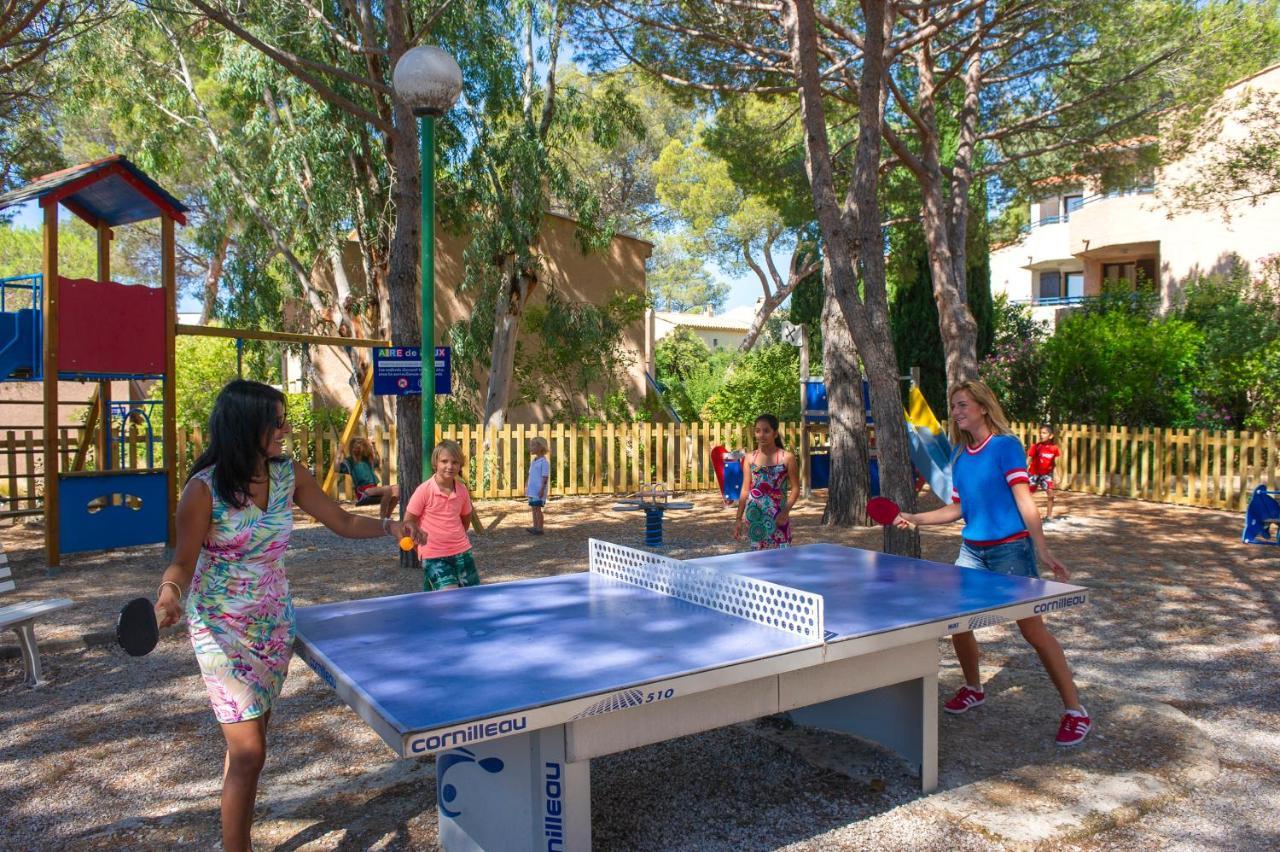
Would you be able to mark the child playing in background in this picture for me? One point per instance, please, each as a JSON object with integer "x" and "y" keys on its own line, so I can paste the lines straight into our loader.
{"x": 770, "y": 492}
{"x": 539, "y": 478}
{"x": 441, "y": 508}
{"x": 361, "y": 465}
{"x": 1041, "y": 459}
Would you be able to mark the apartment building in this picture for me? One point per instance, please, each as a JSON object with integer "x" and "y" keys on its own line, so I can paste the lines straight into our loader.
{"x": 1086, "y": 230}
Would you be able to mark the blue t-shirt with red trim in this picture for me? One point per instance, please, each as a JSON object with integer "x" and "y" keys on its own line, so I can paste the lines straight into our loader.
{"x": 982, "y": 479}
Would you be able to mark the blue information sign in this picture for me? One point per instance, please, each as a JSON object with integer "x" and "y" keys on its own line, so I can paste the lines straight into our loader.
{"x": 397, "y": 371}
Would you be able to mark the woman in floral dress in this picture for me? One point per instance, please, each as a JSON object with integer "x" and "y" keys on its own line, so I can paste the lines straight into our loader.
{"x": 233, "y": 524}
{"x": 771, "y": 490}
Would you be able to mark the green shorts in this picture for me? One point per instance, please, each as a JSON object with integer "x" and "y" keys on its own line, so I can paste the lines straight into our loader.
{"x": 445, "y": 572}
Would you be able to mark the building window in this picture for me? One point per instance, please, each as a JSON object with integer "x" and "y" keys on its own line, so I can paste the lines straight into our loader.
{"x": 1139, "y": 272}
{"x": 715, "y": 343}
{"x": 1057, "y": 287}
{"x": 1118, "y": 272}
{"x": 1070, "y": 204}
{"x": 1075, "y": 285}
{"x": 1050, "y": 285}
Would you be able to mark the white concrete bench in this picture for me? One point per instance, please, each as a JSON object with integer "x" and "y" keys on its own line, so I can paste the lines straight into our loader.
{"x": 21, "y": 619}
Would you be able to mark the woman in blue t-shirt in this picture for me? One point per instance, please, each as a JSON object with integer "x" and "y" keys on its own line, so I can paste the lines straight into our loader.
{"x": 1002, "y": 533}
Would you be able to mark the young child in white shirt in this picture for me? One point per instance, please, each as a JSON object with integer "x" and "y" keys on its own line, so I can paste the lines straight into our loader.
{"x": 539, "y": 478}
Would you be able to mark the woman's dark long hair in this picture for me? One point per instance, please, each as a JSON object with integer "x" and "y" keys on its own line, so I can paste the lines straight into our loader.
{"x": 243, "y": 415}
{"x": 773, "y": 424}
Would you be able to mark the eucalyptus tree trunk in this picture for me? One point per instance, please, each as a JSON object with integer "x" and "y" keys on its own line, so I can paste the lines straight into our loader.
{"x": 213, "y": 277}
{"x": 517, "y": 285}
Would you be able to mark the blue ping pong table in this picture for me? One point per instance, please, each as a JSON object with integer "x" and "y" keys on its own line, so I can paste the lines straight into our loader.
{"x": 516, "y": 686}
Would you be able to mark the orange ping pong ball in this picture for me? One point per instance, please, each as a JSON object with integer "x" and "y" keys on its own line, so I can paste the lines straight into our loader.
{"x": 406, "y": 543}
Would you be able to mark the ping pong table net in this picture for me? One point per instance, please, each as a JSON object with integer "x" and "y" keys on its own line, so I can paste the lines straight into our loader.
{"x": 770, "y": 604}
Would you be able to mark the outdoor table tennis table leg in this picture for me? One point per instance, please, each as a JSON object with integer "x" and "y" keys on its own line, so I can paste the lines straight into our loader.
{"x": 533, "y": 790}
{"x": 521, "y": 793}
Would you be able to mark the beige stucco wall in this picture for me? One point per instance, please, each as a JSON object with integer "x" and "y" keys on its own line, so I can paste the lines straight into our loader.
{"x": 714, "y": 338}
{"x": 1183, "y": 243}
{"x": 594, "y": 278}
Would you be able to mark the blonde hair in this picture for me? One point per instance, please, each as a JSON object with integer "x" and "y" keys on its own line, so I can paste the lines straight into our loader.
{"x": 358, "y": 441}
{"x": 538, "y": 444}
{"x": 984, "y": 396}
{"x": 450, "y": 447}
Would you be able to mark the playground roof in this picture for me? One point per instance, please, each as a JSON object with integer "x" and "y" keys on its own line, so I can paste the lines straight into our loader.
{"x": 111, "y": 191}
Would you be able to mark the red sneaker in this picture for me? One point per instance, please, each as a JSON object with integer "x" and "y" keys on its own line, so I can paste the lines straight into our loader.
{"x": 965, "y": 699}
{"x": 1073, "y": 730}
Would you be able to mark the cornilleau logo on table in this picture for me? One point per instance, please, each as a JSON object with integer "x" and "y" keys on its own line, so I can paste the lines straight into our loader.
{"x": 448, "y": 792}
{"x": 553, "y": 821}
{"x": 319, "y": 670}
{"x": 468, "y": 734}
{"x": 1060, "y": 603}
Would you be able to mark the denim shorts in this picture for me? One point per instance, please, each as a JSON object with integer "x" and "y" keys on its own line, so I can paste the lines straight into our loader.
{"x": 536, "y": 504}
{"x": 1016, "y": 558}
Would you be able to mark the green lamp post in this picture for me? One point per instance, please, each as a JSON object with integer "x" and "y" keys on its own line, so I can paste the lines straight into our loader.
{"x": 429, "y": 82}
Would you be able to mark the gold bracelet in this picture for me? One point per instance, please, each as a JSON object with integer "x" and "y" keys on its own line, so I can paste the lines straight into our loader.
{"x": 176, "y": 588}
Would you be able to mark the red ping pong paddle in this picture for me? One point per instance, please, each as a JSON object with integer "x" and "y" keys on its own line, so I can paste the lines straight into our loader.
{"x": 882, "y": 510}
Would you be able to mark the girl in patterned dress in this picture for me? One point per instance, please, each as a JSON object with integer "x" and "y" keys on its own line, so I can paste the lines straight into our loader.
{"x": 233, "y": 524}
{"x": 769, "y": 493}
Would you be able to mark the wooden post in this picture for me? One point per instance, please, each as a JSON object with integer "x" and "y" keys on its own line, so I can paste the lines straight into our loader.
{"x": 50, "y": 318}
{"x": 169, "y": 278}
{"x": 104, "y": 388}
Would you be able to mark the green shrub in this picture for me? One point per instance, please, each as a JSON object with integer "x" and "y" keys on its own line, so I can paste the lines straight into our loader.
{"x": 689, "y": 372}
{"x": 1117, "y": 363}
{"x": 1237, "y": 373}
{"x": 764, "y": 380}
{"x": 1013, "y": 369}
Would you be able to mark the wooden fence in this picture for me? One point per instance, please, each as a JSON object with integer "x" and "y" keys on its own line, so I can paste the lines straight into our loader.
{"x": 1214, "y": 470}
{"x": 611, "y": 458}
{"x": 1187, "y": 467}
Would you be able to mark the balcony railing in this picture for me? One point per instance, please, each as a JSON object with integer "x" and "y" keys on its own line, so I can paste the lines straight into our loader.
{"x": 1052, "y": 301}
{"x": 1076, "y": 203}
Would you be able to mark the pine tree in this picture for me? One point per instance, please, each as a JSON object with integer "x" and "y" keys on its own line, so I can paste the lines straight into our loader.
{"x": 914, "y": 314}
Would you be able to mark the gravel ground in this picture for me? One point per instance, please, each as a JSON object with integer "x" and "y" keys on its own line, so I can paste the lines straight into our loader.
{"x": 124, "y": 753}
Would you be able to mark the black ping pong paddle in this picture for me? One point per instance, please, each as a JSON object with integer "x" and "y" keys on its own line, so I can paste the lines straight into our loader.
{"x": 137, "y": 631}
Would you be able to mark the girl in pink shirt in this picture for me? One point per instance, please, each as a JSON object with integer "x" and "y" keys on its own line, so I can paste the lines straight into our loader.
{"x": 441, "y": 508}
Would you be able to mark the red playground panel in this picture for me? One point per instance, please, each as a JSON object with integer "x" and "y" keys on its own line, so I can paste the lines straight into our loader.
{"x": 110, "y": 328}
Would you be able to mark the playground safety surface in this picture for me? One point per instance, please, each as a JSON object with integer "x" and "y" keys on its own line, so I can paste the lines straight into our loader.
{"x": 1178, "y": 659}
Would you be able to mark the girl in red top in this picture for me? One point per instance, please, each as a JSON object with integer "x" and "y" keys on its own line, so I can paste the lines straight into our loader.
{"x": 1041, "y": 459}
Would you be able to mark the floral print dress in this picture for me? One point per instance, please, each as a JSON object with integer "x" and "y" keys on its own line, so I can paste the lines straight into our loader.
{"x": 239, "y": 611}
{"x": 768, "y": 494}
